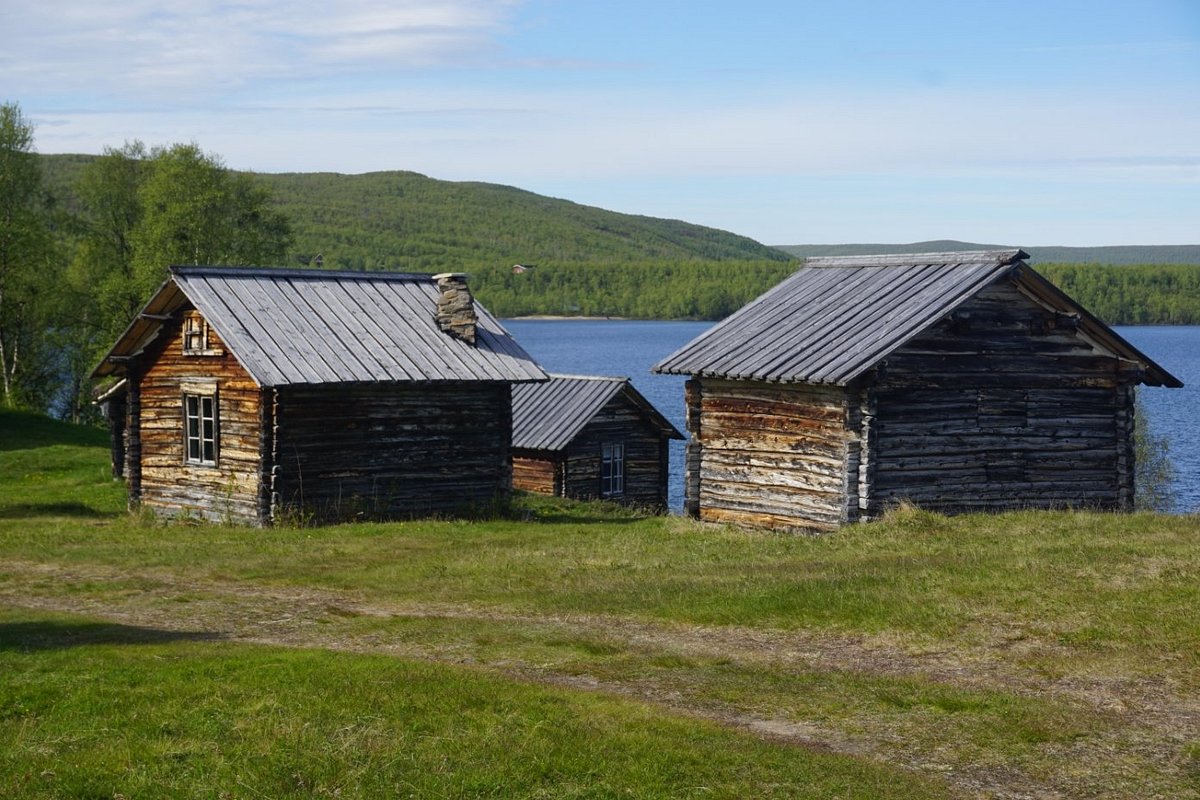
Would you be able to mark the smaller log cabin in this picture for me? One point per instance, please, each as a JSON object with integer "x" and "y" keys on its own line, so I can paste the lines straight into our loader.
{"x": 957, "y": 381}
{"x": 588, "y": 437}
{"x": 251, "y": 394}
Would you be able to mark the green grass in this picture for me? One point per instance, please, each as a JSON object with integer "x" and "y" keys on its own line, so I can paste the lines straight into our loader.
{"x": 92, "y": 710}
{"x": 1044, "y": 652}
{"x": 1105, "y": 587}
{"x": 48, "y": 468}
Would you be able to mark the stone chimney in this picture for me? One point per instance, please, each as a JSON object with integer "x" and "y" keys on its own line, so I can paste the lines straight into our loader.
{"x": 456, "y": 306}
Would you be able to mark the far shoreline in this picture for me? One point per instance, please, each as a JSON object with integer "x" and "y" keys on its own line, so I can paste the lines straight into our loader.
{"x": 575, "y": 318}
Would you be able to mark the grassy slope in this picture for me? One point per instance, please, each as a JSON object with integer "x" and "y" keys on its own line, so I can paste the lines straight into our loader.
{"x": 990, "y": 649}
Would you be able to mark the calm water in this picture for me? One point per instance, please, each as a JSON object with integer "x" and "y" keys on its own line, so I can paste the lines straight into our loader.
{"x": 1173, "y": 413}
{"x": 630, "y": 348}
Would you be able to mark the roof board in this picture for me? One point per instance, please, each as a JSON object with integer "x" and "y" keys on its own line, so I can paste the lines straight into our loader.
{"x": 315, "y": 326}
{"x": 835, "y": 319}
{"x": 547, "y": 416}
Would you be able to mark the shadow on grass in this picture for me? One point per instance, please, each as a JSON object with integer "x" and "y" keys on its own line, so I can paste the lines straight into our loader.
{"x": 24, "y": 430}
{"x": 26, "y": 510}
{"x": 27, "y": 636}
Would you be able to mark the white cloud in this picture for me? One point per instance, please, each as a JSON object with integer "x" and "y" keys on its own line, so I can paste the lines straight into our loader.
{"x": 367, "y": 85}
{"x": 524, "y": 135}
{"x": 180, "y": 50}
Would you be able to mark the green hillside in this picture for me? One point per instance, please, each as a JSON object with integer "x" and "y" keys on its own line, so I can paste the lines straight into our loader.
{"x": 593, "y": 262}
{"x": 1124, "y": 254}
{"x": 406, "y": 221}
{"x": 402, "y": 220}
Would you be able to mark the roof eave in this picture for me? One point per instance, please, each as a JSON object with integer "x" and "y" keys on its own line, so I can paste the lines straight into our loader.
{"x": 128, "y": 345}
{"x": 1153, "y": 374}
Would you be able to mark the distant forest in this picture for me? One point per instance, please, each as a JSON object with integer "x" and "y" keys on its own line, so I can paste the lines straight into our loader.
{"x": 1136, "y": 294}
{"x": 592, "y": 262}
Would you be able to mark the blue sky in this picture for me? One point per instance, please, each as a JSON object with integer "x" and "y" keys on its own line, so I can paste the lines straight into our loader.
{"x": 1022, "y": 123}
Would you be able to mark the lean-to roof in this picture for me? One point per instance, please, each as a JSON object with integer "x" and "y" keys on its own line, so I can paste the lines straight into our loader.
{"x": 836, "y": 318}
{"x": 316, "y": 326}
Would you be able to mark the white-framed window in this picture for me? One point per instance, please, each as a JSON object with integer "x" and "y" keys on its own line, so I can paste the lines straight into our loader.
{"x": 612, "y": 469}
{"x": 200, "y": 428}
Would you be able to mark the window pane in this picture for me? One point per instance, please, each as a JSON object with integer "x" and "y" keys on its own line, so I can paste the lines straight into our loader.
{"x": 612, "y": 469}
{"x": 618, "y": 469}
{"x": 192, "y": 426}
{"x": 200, "y": 428}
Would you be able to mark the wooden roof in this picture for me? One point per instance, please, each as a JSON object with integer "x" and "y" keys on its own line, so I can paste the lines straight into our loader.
{"x": 317, "y": 326}
{"x": 547, "y": 416}
{"x": 836, "y": 318}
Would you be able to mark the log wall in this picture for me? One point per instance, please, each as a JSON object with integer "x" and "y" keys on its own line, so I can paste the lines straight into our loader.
{"x": 159, "y": 474}
{"x": 769, "y": 455}
{"x": 390, "y": 450}
{"x": 620, "y": 421}
{"x": 536, "y": 471}
{"x": 1001, "y": 406}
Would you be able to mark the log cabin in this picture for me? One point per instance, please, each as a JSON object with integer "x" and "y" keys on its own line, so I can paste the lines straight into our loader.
{"x": 955, "y": 381}
{"x": 254, "y": 395}
{"x": 591, "y": 437}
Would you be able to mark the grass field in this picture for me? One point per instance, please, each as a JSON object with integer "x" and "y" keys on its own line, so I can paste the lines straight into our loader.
{"x": 580, "y": 651}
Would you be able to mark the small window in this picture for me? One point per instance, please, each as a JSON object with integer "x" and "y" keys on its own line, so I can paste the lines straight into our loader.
{"x": 195, "y": 334}
{"x": 200, "y": 428}
{"x": 197, "y": 337}
{"x": 612, "y": 470}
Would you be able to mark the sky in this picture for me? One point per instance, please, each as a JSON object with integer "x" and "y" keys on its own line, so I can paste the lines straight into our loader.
{"x": 1047, "y": 122}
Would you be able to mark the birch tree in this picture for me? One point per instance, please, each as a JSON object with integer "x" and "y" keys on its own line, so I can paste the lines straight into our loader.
{"x": 25, "y": 262}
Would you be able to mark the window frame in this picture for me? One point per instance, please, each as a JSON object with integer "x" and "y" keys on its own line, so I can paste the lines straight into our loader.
{"x": 200, "y": 428}
{"x": 196, "y": 331}
{"x": 612, "y": 469}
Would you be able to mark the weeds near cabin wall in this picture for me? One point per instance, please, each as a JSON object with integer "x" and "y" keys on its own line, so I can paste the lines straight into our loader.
{"x": 1154, "y": 473}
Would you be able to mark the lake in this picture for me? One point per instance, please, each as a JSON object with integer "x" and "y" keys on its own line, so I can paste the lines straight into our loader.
{"x": 630, "y": 348}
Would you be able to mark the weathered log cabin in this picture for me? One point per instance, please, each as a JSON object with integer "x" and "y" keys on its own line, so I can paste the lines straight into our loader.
{"x": 252, "y": 394}
{"x": 956, "y": 381}
{"x": 588, "y": 437}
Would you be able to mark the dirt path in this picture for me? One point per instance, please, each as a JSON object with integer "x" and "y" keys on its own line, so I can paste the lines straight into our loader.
{"x": 1160, "y": 719}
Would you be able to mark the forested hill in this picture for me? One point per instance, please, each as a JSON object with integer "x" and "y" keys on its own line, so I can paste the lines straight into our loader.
{"x": 390, "y": 219}
{"x": 1125, "y": 254}
{"x": 593, "y": 262}
{"x": 406, "y": 221}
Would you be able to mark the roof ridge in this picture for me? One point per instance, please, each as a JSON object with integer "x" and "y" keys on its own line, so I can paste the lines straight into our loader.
{"x": 186, "y": 270}
{"x": 587, "y": 377}
{"x": 998, "y": 257}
